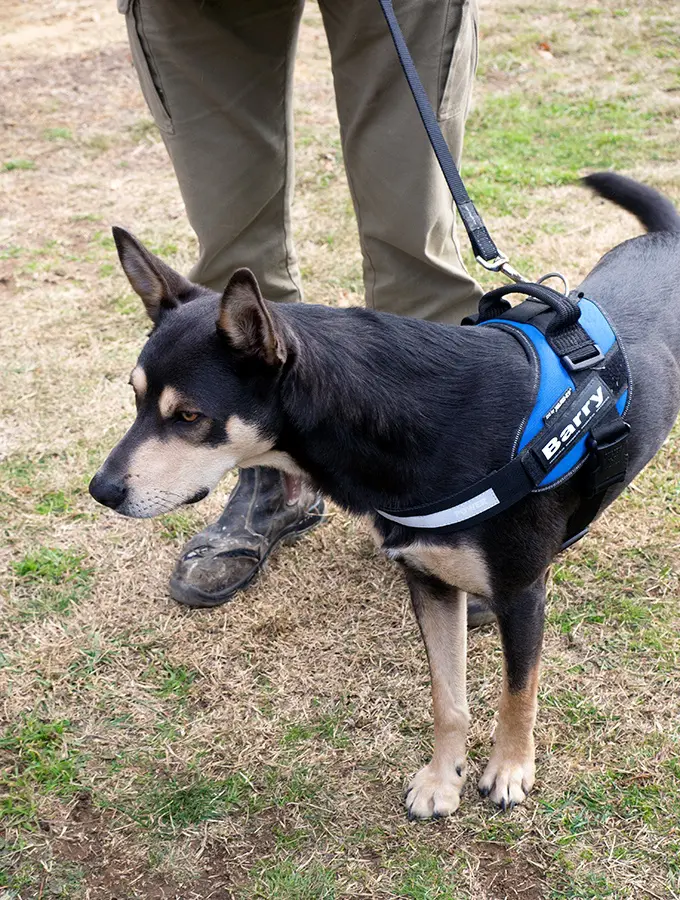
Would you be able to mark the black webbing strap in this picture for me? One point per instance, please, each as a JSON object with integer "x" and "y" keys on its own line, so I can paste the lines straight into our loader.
{"x": 605, "y": 467}
{"x": 482, "y": 243}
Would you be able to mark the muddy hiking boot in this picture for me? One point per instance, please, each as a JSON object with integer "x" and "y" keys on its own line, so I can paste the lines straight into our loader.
{"x": 265, "y": 508}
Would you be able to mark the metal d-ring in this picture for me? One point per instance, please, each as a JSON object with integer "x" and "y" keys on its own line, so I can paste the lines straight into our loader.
{"x": 559, "y": 275}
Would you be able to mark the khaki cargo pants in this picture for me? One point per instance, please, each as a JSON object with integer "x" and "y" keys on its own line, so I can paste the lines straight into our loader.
{"x": 217, "y": 76}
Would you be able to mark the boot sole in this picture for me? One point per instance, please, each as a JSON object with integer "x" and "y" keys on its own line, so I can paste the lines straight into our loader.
{"x": 197, "y": 599}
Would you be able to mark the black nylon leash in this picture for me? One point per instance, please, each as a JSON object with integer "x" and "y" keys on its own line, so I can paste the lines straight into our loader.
{"x": 485, "y": 250}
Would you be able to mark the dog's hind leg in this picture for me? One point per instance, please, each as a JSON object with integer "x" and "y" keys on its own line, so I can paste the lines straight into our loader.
{"x": 441, "y": 611}
{"x": 509, "y": 775}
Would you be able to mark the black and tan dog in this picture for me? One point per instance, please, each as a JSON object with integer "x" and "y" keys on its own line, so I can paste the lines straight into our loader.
{"x": 382, "y": 412}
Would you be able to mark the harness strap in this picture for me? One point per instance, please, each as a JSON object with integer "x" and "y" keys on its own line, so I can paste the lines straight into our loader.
{"x": 604, "y": 468}
{"x": 482, "y": 242}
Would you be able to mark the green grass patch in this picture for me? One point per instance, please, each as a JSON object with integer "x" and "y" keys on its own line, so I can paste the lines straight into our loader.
{"x": 128, "y": 305}
{"x": 52, "y": 565}
{"x": 175, "y": 681}
{"x": 329, "y": 728}
{"x": 288, "y": 880}
{"x": 11, "y": 252}
{"x": 427, "y": 877}
{"x": 57, "y": 881}
{"x": 575, "y": 710}
{"x": 175, "y": 526}
{"x": 622, "y": 796}
{"x": 35, "y": 759}
{"x": 144, "y": 130}
{"x": 168, "y": 803}
{"x": 58, "y": 134}
{"x": 54, "y": 503}
{"x": 50, "y": 581}
{"x": 19, "y": 471}
{"x": 297, "y": 785}
{"x": 92, "y": 657}
{"x": 516, "y": 144}
{"x": 11, "y": 164}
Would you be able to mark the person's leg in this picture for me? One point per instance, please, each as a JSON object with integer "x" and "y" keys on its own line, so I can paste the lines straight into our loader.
{"x": 217, "y": 76}
{"x": 412, "y": 265}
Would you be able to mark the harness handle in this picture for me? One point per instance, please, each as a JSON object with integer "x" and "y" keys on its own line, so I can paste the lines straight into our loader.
{"x": 492, "y": 305}
{"x": 570, "y": 341}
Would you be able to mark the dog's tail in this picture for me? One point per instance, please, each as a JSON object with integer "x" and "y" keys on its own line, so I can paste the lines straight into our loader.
{"x": 655, "y": 211}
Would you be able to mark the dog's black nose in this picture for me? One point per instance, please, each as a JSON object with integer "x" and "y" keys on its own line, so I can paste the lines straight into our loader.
{"x": 108, "y": 492}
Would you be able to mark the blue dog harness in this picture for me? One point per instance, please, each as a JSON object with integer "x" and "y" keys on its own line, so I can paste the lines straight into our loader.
{"x": 583, "y": 388}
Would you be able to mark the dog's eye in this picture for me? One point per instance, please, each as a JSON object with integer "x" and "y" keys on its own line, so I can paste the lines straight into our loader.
{"x": 186, "y": 416}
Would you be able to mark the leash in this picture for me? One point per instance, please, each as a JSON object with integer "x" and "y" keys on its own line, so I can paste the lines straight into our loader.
{"x": 486, "y": 252}
{"x": 598, "y": 380}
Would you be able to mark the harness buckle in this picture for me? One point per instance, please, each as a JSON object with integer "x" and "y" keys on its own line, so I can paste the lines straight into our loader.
{"x": 594, "y": 356}
{"x": 608, "y": 459}
{"x": 501, "y": 264}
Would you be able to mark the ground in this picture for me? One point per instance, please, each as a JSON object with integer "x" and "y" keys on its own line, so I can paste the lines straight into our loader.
{"x": 260, "y": 750}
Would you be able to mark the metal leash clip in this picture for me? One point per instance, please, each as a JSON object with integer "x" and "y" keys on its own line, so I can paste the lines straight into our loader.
{"x": 502, "y": 264}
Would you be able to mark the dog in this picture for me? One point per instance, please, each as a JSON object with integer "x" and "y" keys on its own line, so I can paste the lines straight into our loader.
{"x": 380, "y": 412}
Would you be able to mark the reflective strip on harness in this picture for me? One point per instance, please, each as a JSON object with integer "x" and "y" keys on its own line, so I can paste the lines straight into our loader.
{"x": 461, "y": 512}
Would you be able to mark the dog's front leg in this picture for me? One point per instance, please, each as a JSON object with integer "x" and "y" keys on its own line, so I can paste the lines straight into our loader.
{"x": 442, "y": 616}
{"x": 509, "y": 775}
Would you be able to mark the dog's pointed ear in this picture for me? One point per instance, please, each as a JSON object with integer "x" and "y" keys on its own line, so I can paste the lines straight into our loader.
{"x": 249, "y": 322}
{"x": 159, "y": 286}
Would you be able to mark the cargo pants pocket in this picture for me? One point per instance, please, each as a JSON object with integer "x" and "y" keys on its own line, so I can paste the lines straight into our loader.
{"x": 147, "y": 72}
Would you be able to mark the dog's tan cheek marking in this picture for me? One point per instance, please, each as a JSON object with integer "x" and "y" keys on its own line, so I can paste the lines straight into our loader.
{"x": 139, "y": 381}
{"x": 246, "y": 439}
{"x": 251, "y": 448}
{"x": 462, "y": 566}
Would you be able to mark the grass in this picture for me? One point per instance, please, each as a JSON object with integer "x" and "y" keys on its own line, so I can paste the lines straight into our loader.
{"x": 286, "y": 881}
{"x": 36, "y": 760}
{"x": 58, "y": 134}
{"x": 18, "y": 164}
{"x": 50, "y": 581}
{"x": 260, "y": 749}
{"x": 167, "y": 804}
{"x": 517, "y": 144}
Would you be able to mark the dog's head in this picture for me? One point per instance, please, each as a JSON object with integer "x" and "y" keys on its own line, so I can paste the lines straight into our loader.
{"x": 205, "y": 387}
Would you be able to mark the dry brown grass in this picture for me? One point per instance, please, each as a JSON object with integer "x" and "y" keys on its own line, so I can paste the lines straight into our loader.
{"x": 259, "y": 750}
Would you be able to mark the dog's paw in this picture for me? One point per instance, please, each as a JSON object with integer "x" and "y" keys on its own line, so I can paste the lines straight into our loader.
{"x": 433, "y": 793}
{"x": 507, "y": 781}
